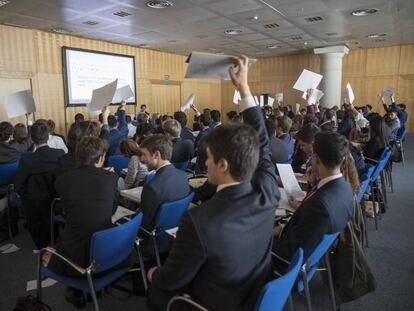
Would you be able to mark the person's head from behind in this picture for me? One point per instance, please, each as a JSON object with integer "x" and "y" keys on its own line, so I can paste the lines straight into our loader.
{"x": 377, "y": 128}
{"x": 232, "y": 153}
{"x": 205, "y": 120}
{"x": 335, "y": 108}
{"x": 270, "y": 127}
{"x": 309, "y": 119}
{"x": 350, "y": 173}
{"x": 278, "y": 112}
{"x": 75, "y": 134}
{"x": 156, "y": 151}
{"x": 164, "y": 118}
{"x": 172, "y": 128}
{"x": 19, "y": 132}
{"x": 329, "y": 151}
{"x": 215, "y": 115}
{"x": 39, "y": 132}
{"x": 306, "y": 137}
{"x": 142, "y": 118}
{"x": 112, "y": 121}
{"x": 79, "y": 118}
{"x": 231, "y": 115}
{"x": 52, "y": 126}
{"x": 181, "y": 117}
{"x": 6, "y": 131}
{"x": 297, "y": 122}
{"x": 129, "y": 148}
{"x": 283, "y": 125}
{"x": 328, "y": 115}
{"x": 91, "y": 151}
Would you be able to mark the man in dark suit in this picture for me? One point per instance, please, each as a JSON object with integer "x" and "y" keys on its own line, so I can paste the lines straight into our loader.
{"x": 221, "y": 256}
{"x": 10, "y": 151}
{"x": 205, "y": 121}
{"x": 283, "y": 125}
{"x": 278, "y": 149}
{"x": 118, "y": 129}
{"x": 169, "y": 183}
{"x": 34, "y": 183}
{"x": 185, "y": 131}
{"x": 183, "y": 150}
{"x": 325, "y": 210}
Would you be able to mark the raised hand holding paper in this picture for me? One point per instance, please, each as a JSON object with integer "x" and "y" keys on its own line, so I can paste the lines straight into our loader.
{"x": 388, "y": 91}
{"x": 236, "y": 97}
{"x": 103, "y": 96}
{"x": 279, "y": 97}
{"x": 188, "y": 102}
{"x": 210, "y": 66}
{"x": 315, "y": 97}
{"x": 307, "y": 80}
{"x": 19, "y": 103}
{"x": 349, "y": 93}
{"x": 122, "y": 94}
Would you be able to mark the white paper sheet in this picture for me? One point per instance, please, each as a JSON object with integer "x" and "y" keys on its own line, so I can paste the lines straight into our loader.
{"x": 388, "y": 91}
{"x": 289, "y": 181}
{"x": 261, "y": 100}
{"x": 188, "y": 102}
{"x": 8, "y": 248}
{"x": 172, "y": 232}
{"x": 120, "y": 213}
{"x": 133, "y": 194}
{"x": 236, "y": 97}
{"x": 32, "y": 285}
{"x": 307, "y": 80}
{"x": 122, "y": 94}
{"x": 315, "y": 97}
{"x": 349, "y": 93}
{"x": 209, "y": 66}
{"x": 270, "y": 101}
{"x": 19, "y": 103}
{"x": 279, "y": 97}
{"x": 256, "y": 100}
{"x": 297, "y": 108}
{"x": 103, "y": 96}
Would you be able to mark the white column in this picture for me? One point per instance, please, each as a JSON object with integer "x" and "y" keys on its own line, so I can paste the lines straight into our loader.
{"x": 331, "y": 69}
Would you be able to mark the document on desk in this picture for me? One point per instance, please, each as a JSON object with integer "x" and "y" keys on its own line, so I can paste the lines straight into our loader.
{"x": 307, "y": 80}
{"x": 120, "y": 213}
{"x": 210, "y": 66}
{"x": 133, "y": 194}
{"x": 289, "y": 181}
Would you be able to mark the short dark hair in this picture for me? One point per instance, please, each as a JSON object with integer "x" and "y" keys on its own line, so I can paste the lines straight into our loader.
{"x": 309, "y": 119}
{"x": 402, "y": 106}
{"x": 40, "y": 132}
{"x": 19, "y": 132}
{"x": 128, "y": 119}
{"x": 6, "y": 130}
{"x": 143, "y": 105}
{"x": 129, "y": 147}
{"x": 270, "y": 127}
{"x": 329, "y": 114}
{"x": 89, "y": 150}
{"x": 284, "y": 122}
{"x": 231, "y": 114}
{"x": 181, "y": 117}
{"x": 112, "y": 121}
{"x": 158, "y": 142}
{"x": 205, "y": 119}
{"x": 142, "y": 118}
{"x": 331, "y": 148}
{"x": 79, "y": 117}
{"x": 75, "y": 135}
{"x": 307, "y": 133}
{"x": 215, "y": 115}
{"x": 238, "y": 144}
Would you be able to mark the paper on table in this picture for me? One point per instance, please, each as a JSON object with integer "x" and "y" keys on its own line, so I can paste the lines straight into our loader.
{"x": 9, "y": 248}
{"x": 283, "y": 202}
{"x": 349, "y": 93}
{"x": 197, "y": 182}
{"x": 210, "y": 66}
{"x": 188, "y": 102}
{"x": 289, "y": 181}
{"x": 103, "y": 96}
{"x": 19, "y": 103}
{"x": 388, "y": 91}
{"x": 307, "y": 80}
{"x": 120, "y": 213}
{"x": 123, "y": 93}
{"x": 315, "y": 97}
{"x": 279, "y": 97}
{"x": 236, "y": 97}
{"x": 270, "y": 101}
{"x": 297, "y": 108}
{"x": 172, "y": 232}
{"x": 133, "y": 194}
{"x": 32, "y": 285}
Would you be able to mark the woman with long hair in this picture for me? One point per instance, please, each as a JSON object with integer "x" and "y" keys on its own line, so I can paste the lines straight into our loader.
{"x": 136, "y": 170}
{"x": 378, "y": 138}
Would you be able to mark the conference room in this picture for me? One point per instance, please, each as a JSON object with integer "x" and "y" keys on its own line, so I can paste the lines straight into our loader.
{"x": 206, "y": 155}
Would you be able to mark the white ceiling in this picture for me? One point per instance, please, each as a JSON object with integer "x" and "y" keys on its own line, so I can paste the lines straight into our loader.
{"x": 200, "y": 24}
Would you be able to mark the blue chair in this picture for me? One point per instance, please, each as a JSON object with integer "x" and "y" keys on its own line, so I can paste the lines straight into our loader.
{"x": 273, "y": 295}
{"x": 149, "y": 177}
{"x": 168, "y": 217}
{"x": 7, "y": 174}
{"x": 365, "y": 188}
{"x": 118, "y": 162}
{"x": 181, "y": 165}
{"x": 109, "y": 248}
{"x": 290, "y": 158}
{"x": 400, "y": 143}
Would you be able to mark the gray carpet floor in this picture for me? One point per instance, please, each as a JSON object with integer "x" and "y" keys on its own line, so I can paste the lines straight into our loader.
{"x": 391, "y": 256}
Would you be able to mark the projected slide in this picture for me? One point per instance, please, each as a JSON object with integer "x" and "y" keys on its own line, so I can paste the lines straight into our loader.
{"x": 89, "y": 70}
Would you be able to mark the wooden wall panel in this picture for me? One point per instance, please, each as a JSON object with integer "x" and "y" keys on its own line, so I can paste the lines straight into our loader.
{"x": 383, "y": 61}
{"x": 354, "y": 64}
{"x": 406, "y": 66}
{"x": 167, "y": 98}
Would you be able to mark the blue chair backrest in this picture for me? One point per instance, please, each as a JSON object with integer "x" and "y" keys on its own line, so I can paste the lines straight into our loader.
{"x": 321, "y": 249}
{"x": 403, "y": 134}
{"x": 181, "y": 165}
{"x": 169, "y": 214}
{"x": 118, "y": 162}
{"x": 112, "y": 246}
{"x": 365, "y": 182}
{"x": 275, "y": 293}
{"x": 290, "y": 158}
{"x": 149, "y": 177}
{"x": 8, "y": 172}
{"x": 386, "y": 154}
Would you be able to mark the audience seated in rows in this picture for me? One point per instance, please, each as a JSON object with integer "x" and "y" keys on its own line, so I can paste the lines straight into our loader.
{"x": 11, "y": 150}
{"x": 185, "y": 134}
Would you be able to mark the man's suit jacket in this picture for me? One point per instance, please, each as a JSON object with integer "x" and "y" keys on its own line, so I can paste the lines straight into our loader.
{"x": 183, "y": 150}
{"x": 278, "y": 150}
{"x": 11, "y": 152}
{"x": 200, "y": 135}
{"x": 117, "y": 134}
{"x": 88, "y": 197}
{"x": 169, "y": 184}
{"x": 326, "y": 211}
{"x": 186, "y": 134}
{"x": 222, "y": 252}
{"x": 287, "y": 139}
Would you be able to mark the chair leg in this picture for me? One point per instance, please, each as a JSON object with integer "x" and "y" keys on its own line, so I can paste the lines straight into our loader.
{"x": 365, "y": 223}
{"x": 373, "y": 204}
{"x": 290, "y": 303}
{"x": 92, "y": 288}
{"x": 39, "y": 277}
{"x": 330, "y": 281}
{"x": 141, "y": 265}
{"x": 390, "y": 178}
{"x": 157, "y": 254}
{"x": 384, "y": 189}
{"x": 380, "y": 199}
{"x": 307, "y": 292}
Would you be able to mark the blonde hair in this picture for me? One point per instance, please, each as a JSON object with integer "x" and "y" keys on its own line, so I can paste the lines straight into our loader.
{"x": 172, "y": 127}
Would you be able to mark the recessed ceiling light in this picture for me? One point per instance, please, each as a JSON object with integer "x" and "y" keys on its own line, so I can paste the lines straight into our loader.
{"x": 376, "y": 35}
{"x": 364, "y": 12}
{"x": 273, "y": 46}
{"x": 254, "y": 18}
{"x": 159, "y": 4}
{"x": 305, "y": 43}
{"x": 90, "y": 23}
{"x": 4, "y": 2}
{"x": 61, "y": 30}
{"x": 233, "y": 31}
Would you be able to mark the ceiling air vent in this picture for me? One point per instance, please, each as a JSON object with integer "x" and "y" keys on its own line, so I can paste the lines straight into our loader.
{"x": 314, "y": 19}
{"x": 296, "y": 38}
{"x": 157, "y": 4}
{"x": 271, "y": 26}
{"x": 380, "y": 40}
{"x": 233, "y": 31}
{"x": 121, "y": 14}
{"x": 90, "y": 23}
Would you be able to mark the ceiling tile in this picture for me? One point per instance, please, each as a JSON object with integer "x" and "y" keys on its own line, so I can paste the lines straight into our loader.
{"x": 230, "y": 7}
{"x": 102, "y": 23}
{"x": 210, "y": 24}
{"x": 150, "y": 35}
{"x": 140, "y": 4}
{"x": 80, "y": 5}
{"x": 125, "y": 29}
{"x": 53, "y": 13}
{"x": 246, "y": 17}
{"x": 271, "y": 25}
{"x": 26, "y": 21}
{"x": 192, "y": 15}
{"x": 251, "y": 37}
{"x": 19, "y": 6}
{"x": 294, "y": 9}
